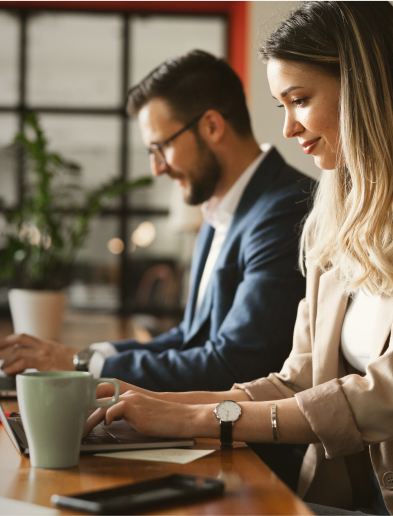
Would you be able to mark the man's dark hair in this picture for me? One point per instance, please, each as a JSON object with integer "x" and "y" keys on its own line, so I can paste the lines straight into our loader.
{"x": 191, "y": 84}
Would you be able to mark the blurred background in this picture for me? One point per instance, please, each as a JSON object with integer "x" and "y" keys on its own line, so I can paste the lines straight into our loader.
{"x": 72, "y": 63}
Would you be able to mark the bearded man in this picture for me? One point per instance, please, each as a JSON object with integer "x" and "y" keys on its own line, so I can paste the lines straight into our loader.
{"x": 245, "y": 285}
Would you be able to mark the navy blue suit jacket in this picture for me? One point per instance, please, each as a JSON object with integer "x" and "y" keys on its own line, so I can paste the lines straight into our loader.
{"x": 244, "y": 326}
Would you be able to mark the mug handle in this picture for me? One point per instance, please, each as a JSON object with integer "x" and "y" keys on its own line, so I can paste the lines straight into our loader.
{"x": 99, "y": 404}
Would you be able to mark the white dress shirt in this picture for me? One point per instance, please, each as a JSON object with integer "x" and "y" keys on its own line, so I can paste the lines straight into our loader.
{"x": 357, "y": 329}
{"x": 219, "y": 215}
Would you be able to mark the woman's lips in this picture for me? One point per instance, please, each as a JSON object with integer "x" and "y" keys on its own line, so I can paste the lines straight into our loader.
{"x": 309, "y": 146}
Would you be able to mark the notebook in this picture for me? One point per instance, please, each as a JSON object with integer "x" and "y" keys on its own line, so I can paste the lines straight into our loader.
{"x": 117, "y": 436}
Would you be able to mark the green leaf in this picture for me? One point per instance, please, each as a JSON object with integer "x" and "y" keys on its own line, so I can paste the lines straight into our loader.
{"x": 26, "y": 260}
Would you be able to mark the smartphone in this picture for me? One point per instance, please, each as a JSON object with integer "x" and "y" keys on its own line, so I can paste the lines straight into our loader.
{"x": 134, "y": 497}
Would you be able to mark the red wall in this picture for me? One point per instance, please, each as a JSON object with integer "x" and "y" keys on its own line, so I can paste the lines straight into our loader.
{"x": 236, "y": 13}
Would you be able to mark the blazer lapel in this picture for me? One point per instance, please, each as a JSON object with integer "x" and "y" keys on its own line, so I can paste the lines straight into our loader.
{"x": 203, "y": 311}
{"x": 382, "y": 326}
{"x": 332, "y": 304}
{"x": 255, "y": 188}
{"x": 200, "y": 256}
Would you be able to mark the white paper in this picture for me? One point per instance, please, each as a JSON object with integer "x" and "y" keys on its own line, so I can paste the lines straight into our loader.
{"x": 175, "y": 455}
{"x": 18, "y": 508}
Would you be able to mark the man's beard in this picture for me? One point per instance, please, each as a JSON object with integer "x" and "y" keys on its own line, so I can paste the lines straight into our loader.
{"x": 205, "y": 175}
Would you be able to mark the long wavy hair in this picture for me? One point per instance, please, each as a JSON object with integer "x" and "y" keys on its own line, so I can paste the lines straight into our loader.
{"x": 350, "y": 226}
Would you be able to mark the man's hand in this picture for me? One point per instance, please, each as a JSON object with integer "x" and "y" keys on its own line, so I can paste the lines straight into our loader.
{"x": 27, "y": 352}
{"x": 152, "y": 416}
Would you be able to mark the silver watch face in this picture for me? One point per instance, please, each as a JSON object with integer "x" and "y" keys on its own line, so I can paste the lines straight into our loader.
{"x": 228, "y": 410}
{"x": 84, "y": 356}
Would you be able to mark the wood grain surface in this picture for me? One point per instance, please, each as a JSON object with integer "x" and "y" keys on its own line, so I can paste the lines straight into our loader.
{"x": 250, "y": 487}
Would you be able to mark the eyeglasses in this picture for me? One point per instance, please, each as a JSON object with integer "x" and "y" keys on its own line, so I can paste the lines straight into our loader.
{"x": 157, "y": 149}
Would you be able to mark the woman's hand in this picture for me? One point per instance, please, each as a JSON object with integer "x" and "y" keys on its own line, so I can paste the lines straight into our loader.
{"x": 107, "y": 390}
{"x": 156, "y": 417}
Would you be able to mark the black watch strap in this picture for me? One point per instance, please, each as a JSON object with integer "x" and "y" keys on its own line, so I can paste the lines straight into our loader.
{"x": 82, "y": 367}
{"x": 226, "y": 433}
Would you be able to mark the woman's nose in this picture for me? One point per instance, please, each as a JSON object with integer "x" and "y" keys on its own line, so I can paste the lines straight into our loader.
{"x": 292, "y": 127}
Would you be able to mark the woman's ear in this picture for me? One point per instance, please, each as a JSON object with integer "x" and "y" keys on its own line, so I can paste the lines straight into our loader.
{"x": 212, "y": 126}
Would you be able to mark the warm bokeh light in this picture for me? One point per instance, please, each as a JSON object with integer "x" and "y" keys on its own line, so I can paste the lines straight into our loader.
{"x": 116, "y": 245}
{"x": 144, "y": 234}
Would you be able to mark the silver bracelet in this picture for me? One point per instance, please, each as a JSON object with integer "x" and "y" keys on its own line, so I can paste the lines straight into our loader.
{"x": 273, "y": 414}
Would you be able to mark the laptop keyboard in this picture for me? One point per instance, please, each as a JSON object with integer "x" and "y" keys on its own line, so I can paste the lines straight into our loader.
{"x": 99, "y": 436}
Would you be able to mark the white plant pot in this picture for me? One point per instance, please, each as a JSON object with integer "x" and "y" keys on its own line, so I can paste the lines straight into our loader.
{"x": 37, "y": 312}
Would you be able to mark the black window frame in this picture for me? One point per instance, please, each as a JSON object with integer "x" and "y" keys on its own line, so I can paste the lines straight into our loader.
{"x": 125, "y": 211}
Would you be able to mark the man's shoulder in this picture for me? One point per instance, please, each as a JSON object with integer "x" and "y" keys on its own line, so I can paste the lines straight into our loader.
{"x": 292, "y": 185}
{"x": 282, "y": 175}
{"x": 276, "y": 184}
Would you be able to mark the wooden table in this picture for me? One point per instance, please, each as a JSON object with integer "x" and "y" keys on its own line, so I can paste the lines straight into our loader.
{"x": 250, "y": 487}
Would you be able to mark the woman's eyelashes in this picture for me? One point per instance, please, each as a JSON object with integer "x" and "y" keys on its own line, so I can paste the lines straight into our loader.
{"x": 296, "y": 102}
{"x": 300, "y": 102}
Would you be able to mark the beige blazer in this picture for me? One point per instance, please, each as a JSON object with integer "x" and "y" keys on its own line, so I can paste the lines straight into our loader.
{"x": 350, "y": 413}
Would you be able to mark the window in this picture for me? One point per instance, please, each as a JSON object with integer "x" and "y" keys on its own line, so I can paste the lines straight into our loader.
{"x": 74, "y": 70}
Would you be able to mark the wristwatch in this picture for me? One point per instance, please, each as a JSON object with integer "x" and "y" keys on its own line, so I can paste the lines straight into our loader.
{"x": 227, "y": 412}
{"x": 82, "y": 359}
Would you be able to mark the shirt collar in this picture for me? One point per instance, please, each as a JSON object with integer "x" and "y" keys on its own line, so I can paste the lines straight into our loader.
{"x": 221, "y": 212}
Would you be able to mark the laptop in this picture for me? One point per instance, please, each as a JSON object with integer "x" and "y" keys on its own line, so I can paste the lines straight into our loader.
{"x": 7, "y": 386}
{"x": 115, "y": 437}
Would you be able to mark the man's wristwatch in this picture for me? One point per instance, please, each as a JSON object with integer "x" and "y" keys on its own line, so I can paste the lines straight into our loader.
{"x": 227, "y": 412}
{"x": 82, "y": 359}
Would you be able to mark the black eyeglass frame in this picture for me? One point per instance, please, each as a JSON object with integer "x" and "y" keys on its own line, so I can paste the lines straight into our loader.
{"x": 157, "y": 149}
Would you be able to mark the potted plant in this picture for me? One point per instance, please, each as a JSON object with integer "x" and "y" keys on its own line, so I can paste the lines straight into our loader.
{"x": 45, "y": 232}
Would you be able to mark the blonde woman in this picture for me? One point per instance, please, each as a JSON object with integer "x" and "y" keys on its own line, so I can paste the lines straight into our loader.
{"x": 330, "y": 67}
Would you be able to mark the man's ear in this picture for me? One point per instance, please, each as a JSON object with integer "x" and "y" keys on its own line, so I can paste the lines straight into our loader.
{"x": 212, "y": 126}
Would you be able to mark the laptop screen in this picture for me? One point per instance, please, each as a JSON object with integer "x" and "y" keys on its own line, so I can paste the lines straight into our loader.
{"x": 8, "y": 428}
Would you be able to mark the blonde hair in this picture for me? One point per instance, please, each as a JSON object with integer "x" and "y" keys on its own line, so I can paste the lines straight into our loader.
{"x": 350, "y": 227}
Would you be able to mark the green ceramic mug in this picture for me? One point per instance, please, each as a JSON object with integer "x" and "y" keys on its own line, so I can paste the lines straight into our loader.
{"x": 54, "y": 406}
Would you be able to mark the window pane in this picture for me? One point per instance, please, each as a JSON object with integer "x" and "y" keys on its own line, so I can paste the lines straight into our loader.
{"x": 90, "y": 141}
{"x": 74, "y": 60}
{"x": 8, "y": 183}
{"x": 154, "y": 238}
{"x": 96, "y": 279}
{"x": 157, "y": 268}
{"x": 9, "y": 32}
{"x": 155, "y": 38}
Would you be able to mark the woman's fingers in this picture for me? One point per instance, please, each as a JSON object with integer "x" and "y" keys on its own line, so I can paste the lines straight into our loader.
{"x": 147, "y": 415}
{"x": 152, "y": 416}
{"x": 120, "y": 410}
{"x": 97, "y": 416}
{"x": 93, "y": 420}
{"x": 105, "y": 390}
